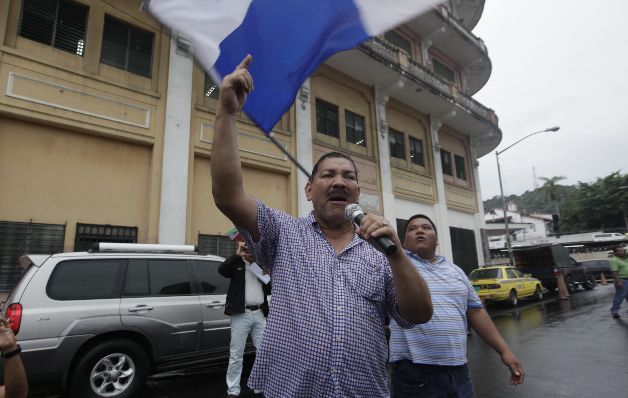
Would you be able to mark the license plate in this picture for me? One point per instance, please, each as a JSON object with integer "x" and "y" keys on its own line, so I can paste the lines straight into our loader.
{"x": 477, "y": 288}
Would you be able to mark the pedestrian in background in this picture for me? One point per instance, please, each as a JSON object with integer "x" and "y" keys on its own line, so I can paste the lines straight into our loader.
{"x": 247, "y": 304}
{"x": 332, "y": 290}
{"x": 619, "y": 270}
{"x": 430, "y": 360}
{"x": 15, "y": 383}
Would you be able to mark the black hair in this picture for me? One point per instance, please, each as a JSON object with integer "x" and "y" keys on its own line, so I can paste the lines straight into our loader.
{"x": 420, "y": 216}
{"x": 329, "y": 155}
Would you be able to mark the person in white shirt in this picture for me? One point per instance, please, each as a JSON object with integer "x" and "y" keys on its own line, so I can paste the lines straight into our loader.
{"x": 247, "y": 304}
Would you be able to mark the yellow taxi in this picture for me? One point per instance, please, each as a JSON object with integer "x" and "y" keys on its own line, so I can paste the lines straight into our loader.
{"x": 504, "y": 283}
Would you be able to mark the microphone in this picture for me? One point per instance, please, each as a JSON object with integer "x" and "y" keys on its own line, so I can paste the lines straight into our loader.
{"x": 354, "y": 213}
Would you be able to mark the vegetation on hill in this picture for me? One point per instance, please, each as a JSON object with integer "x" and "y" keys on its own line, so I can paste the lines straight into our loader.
{"x": 598, "y": 206}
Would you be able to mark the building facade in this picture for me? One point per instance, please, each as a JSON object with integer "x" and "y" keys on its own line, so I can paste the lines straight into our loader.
{"x": 106, "y": 126}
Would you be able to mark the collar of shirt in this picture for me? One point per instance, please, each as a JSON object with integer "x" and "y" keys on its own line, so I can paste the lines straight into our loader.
{"x": 356, "y": 238}
{"x": 415, "y": 257}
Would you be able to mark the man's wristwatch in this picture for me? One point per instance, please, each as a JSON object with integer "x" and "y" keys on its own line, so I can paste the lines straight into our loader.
{"x": 13, "y": 353}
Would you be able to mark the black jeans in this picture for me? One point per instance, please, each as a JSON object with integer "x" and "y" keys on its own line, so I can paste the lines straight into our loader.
{"x": 410, "y": 380}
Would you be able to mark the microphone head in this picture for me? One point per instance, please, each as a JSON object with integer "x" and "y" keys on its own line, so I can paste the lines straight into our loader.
{"x": 352, "y": 210}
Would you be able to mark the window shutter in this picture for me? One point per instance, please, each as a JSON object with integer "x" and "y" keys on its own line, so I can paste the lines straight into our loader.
{"x": 60, "y": 24}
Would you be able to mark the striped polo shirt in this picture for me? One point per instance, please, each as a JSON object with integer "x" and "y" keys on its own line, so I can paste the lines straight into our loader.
{"x": 442, "y": 340}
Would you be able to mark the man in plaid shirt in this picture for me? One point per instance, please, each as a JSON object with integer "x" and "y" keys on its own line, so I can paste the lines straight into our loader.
{"x": 332, "y": 290}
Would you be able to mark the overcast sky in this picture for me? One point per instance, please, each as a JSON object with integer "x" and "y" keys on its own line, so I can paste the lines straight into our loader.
{"x": 556, "y": 63}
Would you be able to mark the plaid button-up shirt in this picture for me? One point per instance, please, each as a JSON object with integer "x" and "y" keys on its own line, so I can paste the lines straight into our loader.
{"x": 325, "y": 334}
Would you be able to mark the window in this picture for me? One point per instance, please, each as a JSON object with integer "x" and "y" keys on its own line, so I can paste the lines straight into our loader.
{"x": 208, "y": 279}
{"x": 397, "y": 145}
{"x": 460, "y": 168}
{"x": 443, "y": 71}
{"x": 57, "y": 23}
{"x": 398, "y": 40}
{"x": 326, "y": 118}
{"x": 88, "y": 234}
{"x": 157, "y": 278}
{"x": 126, "y": 47}
{"x": 86, "y": 280}
{"x": 416, "y": 151}
{"x": 354, "y": 124}
{"x": 210, "y": 89}
{"x": 445, "y": 158}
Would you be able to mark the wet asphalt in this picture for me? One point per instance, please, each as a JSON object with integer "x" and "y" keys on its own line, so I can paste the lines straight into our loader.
{"x": 569, "y": 348}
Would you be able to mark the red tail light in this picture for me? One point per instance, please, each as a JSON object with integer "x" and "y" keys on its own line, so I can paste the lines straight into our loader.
{"x": 14, "y": 316}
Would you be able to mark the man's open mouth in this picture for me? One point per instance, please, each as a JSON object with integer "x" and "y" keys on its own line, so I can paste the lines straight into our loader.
{"x": 338, "y": 198}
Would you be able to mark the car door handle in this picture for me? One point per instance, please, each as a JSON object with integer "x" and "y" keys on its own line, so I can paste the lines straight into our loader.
{"x": 139, "y": 308}
{"x": 215, "y": 304}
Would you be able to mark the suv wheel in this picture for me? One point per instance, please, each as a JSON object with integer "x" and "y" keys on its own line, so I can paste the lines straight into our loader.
{"x": 116, "y": 368}
{"x": 589, "y": 282}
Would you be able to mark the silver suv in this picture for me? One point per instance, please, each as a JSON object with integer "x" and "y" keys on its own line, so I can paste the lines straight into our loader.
{"x": 97, "y": 323}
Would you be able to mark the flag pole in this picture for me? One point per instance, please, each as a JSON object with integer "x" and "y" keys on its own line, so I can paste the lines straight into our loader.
{"x": 285, "y": 151}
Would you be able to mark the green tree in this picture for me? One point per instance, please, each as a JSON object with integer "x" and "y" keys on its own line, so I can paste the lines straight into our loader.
{"x": 552, "y": 191}
{"x": 602, "y": 205}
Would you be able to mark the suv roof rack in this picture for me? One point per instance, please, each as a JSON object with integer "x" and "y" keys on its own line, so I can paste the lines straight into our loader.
{"x": 101, "y": 247}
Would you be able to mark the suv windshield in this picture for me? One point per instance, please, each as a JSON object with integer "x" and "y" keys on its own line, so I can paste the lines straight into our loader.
{"x": 494, "y": 273}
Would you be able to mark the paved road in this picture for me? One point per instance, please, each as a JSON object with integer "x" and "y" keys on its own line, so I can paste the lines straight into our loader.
{"x": 569, "y": 348}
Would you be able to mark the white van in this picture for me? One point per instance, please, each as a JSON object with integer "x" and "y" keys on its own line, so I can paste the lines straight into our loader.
{"x": 607, "y": 236}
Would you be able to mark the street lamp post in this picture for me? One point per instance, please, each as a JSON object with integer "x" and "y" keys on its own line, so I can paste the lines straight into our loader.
{"x": 511, "y": 257}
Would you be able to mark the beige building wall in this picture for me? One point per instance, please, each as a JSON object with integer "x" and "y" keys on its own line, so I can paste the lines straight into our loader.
{"x": 94, "y": 133}
{"x": 269, "y": 187}
{"x": 460, "y": 194}
{"x": 52, "y": 175}
{"x": 348, "y": 94}
{"x": 411, "y": 181}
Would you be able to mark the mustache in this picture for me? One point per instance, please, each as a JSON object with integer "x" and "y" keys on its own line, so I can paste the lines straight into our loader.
{"x": 338, "y": 192}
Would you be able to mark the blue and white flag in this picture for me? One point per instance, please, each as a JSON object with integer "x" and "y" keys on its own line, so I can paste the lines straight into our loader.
{"x": 288, "y": 39}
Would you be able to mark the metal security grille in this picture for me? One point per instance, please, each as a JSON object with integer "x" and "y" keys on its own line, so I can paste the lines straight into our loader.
{"x": 60, "y": 24}
{"x": 127, "y": 47}
{"x": 463, "y": 247}
{"x": 216, "y": 244}
{"x": 18, "y": 238}
{"x": 88, "y": 234}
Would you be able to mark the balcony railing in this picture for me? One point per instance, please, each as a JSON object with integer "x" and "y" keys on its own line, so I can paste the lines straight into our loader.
{"x": 398, "y": 58}
{"x": 463, "y": 30}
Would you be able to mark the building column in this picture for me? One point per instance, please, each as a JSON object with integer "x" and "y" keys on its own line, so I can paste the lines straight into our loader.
{"x": 382, "y": 95}
{"x": 481, "y": 239}
{"x": 305, "y": 149}
{"x": 176, "y": 153}
{"x": 440, "y": 207}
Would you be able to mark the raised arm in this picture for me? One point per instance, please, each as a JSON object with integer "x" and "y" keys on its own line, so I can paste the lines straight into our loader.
{"x": 226, "y": 169}
{"x": 16, "y": 385}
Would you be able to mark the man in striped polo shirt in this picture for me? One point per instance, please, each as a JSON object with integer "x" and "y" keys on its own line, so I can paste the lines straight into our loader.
{"x": 430, "y": 360}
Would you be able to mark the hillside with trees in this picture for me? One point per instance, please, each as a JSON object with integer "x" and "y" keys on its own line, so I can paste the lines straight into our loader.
{"x": 587, "y": 206}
